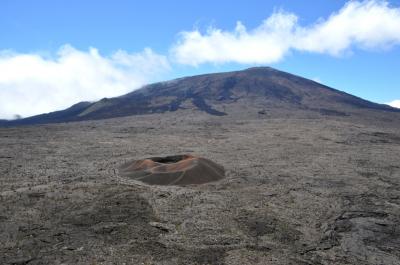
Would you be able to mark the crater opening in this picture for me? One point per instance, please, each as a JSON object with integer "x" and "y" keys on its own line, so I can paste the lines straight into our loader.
{"x": 169, "y": 159}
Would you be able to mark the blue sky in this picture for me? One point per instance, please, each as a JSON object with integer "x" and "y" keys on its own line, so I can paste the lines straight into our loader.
{"x": 47, "y": 46}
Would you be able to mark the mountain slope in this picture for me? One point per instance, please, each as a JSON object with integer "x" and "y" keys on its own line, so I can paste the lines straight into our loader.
{"x": 261, "y": 89}
{"x": 52, "y": 117}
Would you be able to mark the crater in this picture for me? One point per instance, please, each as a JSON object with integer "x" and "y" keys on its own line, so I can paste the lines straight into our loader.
{"x": 177, "y": 170}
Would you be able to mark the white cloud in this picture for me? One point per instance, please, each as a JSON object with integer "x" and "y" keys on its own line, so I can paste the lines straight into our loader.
{"x": 317, "y": 79}
{"x": 395, "y": 103}
{"x": 32, "y": 84}
{"x": 366, "y": 25}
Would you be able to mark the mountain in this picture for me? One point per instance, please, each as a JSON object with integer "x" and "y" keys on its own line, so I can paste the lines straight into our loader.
{"x": 254, "y": 91}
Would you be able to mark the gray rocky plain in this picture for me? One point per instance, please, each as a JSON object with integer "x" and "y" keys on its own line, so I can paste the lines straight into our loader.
{"x": 298, "y": 190}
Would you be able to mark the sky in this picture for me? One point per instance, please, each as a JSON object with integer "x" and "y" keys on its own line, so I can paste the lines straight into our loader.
{"x": 55, "y": 53}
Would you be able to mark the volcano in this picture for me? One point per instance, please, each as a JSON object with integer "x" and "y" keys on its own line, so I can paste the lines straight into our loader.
{"x": 173, "y": 170}
{"x": 254, "y": 91}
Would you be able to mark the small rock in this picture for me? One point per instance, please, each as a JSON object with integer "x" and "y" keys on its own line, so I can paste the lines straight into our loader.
{"x": 162, "y": 226}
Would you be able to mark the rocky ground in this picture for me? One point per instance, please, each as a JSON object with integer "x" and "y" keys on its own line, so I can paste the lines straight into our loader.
{"x": 297, "y": 191}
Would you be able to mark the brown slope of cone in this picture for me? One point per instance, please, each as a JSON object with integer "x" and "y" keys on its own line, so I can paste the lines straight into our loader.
{"x": 173, "y": 170}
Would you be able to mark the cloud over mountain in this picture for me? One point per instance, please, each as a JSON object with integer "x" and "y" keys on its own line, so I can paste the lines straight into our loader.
{"x": 370, "y": 24}
{"x": 32, "y": 84}
{"x": 395, "y": 103}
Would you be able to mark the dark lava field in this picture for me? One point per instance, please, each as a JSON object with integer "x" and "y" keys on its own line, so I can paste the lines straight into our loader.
{"x": 297, "y": 191}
